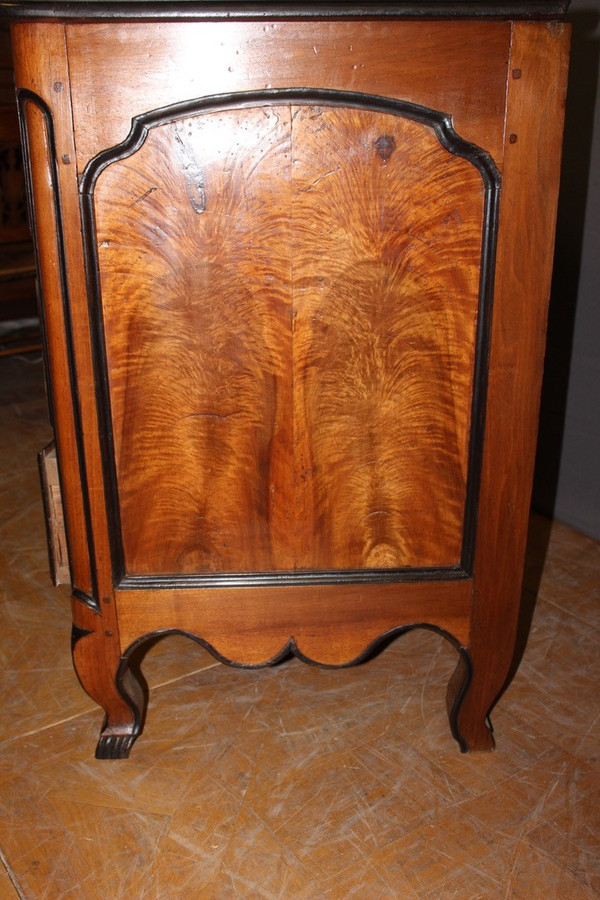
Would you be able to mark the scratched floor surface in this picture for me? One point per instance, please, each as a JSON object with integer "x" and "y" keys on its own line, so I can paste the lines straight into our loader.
{"x": 291, "y": 782}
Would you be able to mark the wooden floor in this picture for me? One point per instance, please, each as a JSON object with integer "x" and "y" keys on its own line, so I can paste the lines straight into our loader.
{"x": 291, "y": 782}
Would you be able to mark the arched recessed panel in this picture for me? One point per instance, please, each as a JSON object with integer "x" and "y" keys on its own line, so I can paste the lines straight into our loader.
{"x": 289, "y": 303}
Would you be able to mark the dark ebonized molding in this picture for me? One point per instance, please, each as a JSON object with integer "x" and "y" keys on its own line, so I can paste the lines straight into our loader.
{"x": 23, "y": 98}
{"x": 86, "y": 599}
{"x": 290, "y": 648}
{"x": 31, "y": 219}
{"x": 84, "y": 10}
{"x": 467, "y": 674}
{"x": 441, "y": 123}
{"x": 77, "y": 634}
{"x": 286, "y": 578}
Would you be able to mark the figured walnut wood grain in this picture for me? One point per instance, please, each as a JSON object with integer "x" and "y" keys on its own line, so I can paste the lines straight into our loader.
{"x": 387, "y": 244}
{"x": 197, "y": 312}
{"x": 290, "y": 299}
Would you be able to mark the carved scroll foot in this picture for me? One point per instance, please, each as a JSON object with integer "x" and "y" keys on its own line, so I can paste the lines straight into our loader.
{"x": 113, "y": 746}
{"x": 117, "y": 736}
{"x": 468, "y": 709}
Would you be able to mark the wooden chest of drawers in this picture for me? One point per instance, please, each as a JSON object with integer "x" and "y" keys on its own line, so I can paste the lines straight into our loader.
{"x": 295, "y": 263}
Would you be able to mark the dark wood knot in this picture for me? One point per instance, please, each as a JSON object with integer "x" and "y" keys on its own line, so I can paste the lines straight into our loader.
{"x": 385, "y": 146}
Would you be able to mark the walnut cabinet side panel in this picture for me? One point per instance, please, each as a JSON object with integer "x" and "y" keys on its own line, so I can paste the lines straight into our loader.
{"x": 308, "y": 295}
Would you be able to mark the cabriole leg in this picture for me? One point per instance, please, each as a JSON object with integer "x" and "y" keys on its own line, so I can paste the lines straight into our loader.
{"x": 468, "y": 708}
{"x": 112, "y": 685}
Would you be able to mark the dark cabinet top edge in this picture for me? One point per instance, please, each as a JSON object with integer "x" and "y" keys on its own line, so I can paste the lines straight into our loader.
{"x": 191, "y": 10}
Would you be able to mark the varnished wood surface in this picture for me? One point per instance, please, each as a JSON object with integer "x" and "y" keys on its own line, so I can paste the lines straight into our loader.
{"x": 75, "y": 415}
{"x": 460, "y": 68}
{"x": 534, "y": 122}
{"x": 328, "y": 624}
{"x": 37, "y": 151}
{"x": 196, "y": 300}
{"x": 386, "y": 250}
{"x": 153, "y": 65}
{"x": 290, "y": 298}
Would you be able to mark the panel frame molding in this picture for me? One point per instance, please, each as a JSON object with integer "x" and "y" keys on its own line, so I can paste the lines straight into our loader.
{"x": 24, "y": 97}
{"x": 441, "y": 124}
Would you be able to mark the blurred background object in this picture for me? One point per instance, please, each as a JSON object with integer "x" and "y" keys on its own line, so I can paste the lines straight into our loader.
{"x": 19, "y": 323}
{"x": 567, "y": 485}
